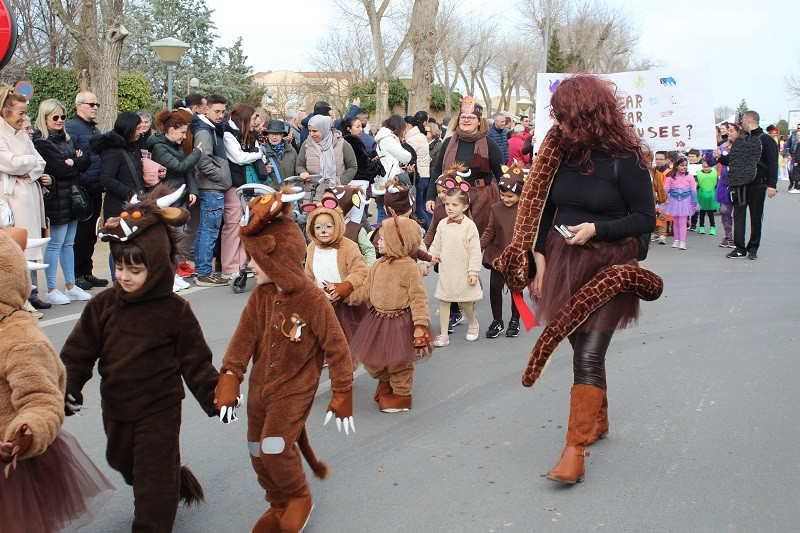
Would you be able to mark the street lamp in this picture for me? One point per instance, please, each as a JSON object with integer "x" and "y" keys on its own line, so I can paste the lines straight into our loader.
{"x": 407, "y": 84}
{"x": 524, "y": 104}
{"x": 170, "y": 51}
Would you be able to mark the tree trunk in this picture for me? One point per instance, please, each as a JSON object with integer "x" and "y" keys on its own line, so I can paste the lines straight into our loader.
{"x": 84, "y": 59}
{"x": 423, "y": 46}
{"x": 105, "y": 75}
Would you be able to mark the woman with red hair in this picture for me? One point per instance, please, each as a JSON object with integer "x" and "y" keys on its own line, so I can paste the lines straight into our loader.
{"x": 601, "y": 191}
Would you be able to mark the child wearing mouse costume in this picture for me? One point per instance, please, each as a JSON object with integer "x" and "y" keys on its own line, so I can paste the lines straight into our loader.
{"x": 146, "y": 341}
{"x": 47, "y": 481}
{"x": 288, "y": 329}
{"x": 335, "y": 264}
{"x": 495, "y": 239}
{"x": 397, "y": 330}
{"x": 351, "y": 202}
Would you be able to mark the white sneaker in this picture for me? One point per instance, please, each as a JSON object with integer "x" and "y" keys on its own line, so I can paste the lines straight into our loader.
{"x": 56, "y": 297}
{"x": 180, "y": 282}
{"x": 794, "y": 191}
{"x": 682, "y": 246}
{"x": 675, "y": 244}
{"x": 229, "y": 277}
{"x": 76, "y": 293}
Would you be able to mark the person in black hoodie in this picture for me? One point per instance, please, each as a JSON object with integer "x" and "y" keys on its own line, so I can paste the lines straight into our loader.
{"x": 64, "y": 163}
{"x": 368, "y": 164}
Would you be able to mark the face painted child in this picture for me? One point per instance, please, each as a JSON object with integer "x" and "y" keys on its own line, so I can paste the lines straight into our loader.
{"x": 324, "y": 228}
{"x": 381, "y": 243}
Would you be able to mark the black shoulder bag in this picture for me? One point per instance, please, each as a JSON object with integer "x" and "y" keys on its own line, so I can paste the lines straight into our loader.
{"x": 642, "y": 240}
{"x": 137, "y": 179}
{"x": 80, "y": 205}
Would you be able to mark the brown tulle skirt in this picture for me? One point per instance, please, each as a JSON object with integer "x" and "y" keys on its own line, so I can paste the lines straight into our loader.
{"x": 385, "y": 339}
{"x": 570, "y": 267}
{"x": 59, "y": 488}
{"x": 350, "y": 318}
{"x": 481, "y": 201}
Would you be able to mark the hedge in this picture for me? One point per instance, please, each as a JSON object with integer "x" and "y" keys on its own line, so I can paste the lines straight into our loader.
{"x": 62, "y": 84}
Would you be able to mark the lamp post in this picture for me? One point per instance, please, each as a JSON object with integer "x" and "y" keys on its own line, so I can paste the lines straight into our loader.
{"x": 170, "y": 51}
{"x": 407, "y": 84}
{"x": 524, "y": 104}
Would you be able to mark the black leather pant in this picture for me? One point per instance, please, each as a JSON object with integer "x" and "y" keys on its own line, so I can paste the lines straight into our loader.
{"x": 589, "y": 358}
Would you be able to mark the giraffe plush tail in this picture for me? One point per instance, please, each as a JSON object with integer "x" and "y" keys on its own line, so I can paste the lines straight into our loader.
{"x": 599, "y": 290}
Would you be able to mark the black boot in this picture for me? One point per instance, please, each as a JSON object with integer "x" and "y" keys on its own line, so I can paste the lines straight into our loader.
{"x": 495, "y": 328}
{"x": 513, "y": 328}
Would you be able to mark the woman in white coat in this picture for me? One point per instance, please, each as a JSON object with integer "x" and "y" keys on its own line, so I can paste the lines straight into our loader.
{"x": 392, "y": 155}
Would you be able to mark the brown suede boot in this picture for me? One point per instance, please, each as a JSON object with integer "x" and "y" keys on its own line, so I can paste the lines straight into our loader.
{"x": 394, "y": 403}
{"x": 585, "y": 402}
{"x": 298, "y": 509}
{"x": 270, "y": 522}
{"x": 383, "y": 388}
{"x": 600, "y": 429}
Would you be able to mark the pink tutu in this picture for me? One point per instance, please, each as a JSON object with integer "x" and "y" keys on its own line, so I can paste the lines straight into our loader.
{"x": 350, "y": 318}
{"x": 61, "y": 487}
{"x": 570, "y": 267}
{"x": 385, "y": 339}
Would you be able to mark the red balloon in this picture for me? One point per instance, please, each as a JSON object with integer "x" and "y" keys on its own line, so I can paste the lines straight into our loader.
{"x": 8, "y": 33}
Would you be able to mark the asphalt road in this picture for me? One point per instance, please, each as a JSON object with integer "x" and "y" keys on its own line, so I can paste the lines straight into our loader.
{"x": 703, "y": 409}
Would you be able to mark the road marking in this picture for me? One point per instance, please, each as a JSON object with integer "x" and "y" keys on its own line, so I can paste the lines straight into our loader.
{"x": 76, "y": 316}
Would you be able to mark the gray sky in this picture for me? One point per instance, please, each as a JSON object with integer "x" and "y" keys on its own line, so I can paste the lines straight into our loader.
{"x": 750, "y": 46}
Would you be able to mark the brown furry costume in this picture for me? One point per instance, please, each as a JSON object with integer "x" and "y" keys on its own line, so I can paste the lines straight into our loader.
{"x": 397, "y": 331}
{"x": 287, "y": 363}
{"x": 144, "y": 342}
{"x": 350, "y": 265}
{"x": 49, "y": 481}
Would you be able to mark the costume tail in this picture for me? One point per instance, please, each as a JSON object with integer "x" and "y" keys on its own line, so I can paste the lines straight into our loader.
{"x": 599, "y": 290}
{"x": 191, "y": 492}
{"x": 320, "y": 468}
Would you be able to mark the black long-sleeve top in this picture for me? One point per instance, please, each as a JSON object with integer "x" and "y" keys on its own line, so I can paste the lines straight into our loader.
{"x": 619, "y": 207}
{"x": 464, "y": 155}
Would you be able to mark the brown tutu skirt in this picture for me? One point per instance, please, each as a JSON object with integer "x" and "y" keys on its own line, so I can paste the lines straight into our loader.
{"x": 59, "y": 488}
{"x": 350, "y": 318}
{"x": 385, "y": 339}
{"x": 481, "y": 201}
{"x": 570, "y": 267}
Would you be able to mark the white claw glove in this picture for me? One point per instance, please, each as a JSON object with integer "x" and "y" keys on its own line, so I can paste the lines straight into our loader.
{"x": 341, "y": 406}
{"x": 72, "y": 405}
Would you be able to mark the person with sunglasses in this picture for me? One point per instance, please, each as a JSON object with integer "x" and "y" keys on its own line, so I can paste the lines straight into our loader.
{"x": 82, "y": 127}
{"x": 64, "y": 162}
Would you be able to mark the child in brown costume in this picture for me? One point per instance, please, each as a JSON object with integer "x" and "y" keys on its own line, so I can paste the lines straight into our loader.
{"x": 351, "y": 203}
{"x": 494, "y": 240}
{"x": 144, "y": 338}
{"x": 336, "y": 265}
{"x": 288, "y": 329}
{"x": 47, "y": 481}
{"x": 397, "y": 330}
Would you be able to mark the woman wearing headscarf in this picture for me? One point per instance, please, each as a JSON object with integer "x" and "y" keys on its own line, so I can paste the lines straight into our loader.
{"x": 470, "y": 145}
{"x": 326, "y": 153}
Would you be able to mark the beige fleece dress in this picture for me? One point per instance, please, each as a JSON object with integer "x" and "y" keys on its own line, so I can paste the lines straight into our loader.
{"x": 459, "y": 246}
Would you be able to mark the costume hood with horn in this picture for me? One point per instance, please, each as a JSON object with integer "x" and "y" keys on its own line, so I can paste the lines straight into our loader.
{"x": 288, "y": 329}
{"x": 514, "y": 262}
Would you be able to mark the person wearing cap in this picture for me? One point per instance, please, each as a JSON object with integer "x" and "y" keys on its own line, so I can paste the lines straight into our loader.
{"x": 281, "y": 155}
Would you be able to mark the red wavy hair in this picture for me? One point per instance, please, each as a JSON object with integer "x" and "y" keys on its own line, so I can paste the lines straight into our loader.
{"x": 593, "y": 120}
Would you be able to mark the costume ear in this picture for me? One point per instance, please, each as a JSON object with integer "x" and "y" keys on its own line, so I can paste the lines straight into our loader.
{"x": 450, "y": 184}
{"x": 267, "y": 244}
{"x": 356, "y": 200}
{"x": 174, "y": 216}
{"x": 330, "y": 203}
{"x": 18, "y": 235}
{"x": 307, "y": 208}
{"x": 464, "y": 186}
{"x": 504, "y": 168}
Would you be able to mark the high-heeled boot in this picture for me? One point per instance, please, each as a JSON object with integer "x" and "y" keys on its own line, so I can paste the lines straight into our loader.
{"x": 585, "y": 402}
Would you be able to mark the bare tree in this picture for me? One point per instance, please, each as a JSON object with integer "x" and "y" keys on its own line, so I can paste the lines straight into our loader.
{"x": 348, "y": 59}
{"x": 793, "y": 87}
{"x": 477, "y": 63}
{"x": 99, "y": 37}
{"x": 452, "y": 51}
{"x": 424, "y": 45}
{"x": 722, "y": 113}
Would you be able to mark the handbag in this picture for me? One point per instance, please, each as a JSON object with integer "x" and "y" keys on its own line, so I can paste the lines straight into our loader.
{"x": 643, "y": 241}
{"x": 6, "y": 214}
{"x": 80, "y": 205}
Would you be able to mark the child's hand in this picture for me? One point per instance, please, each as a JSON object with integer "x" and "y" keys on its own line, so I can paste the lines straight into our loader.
{"x": 227, "y": 397}
{"x": 424, "y": 269}
{"x": 73, "y": 405}
{"x": 436, "y": 259}
{"x": 472, "y": 279}
{"x": 341, "y": 406}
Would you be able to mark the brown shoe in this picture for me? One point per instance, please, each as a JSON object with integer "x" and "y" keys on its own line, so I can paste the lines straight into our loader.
{"x": 38, "y": 304}
{"x": 394, "y": 403}
{"x": 600, "y": 429}
{"x": 584, "y": 405}
{"x": 298, "y": 510}
{"x": 270, "y": 522}
{"x": 383, "y": 388}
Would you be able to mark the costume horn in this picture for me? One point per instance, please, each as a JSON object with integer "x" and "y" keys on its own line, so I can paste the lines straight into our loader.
{"x": 168, "y": 200}
{"x": 37, "y": 243}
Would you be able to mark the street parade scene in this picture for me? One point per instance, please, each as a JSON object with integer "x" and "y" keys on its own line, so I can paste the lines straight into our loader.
{"x": 398, "y": 266}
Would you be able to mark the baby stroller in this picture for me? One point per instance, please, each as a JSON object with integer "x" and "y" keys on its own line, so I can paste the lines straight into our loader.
{"x": 297, "y": 213}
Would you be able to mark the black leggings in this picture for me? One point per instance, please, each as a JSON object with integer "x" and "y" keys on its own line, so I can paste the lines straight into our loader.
{"x": 703, "y": 213}
{"x": 496, "y": 284}
{"x": 589, "y": 358}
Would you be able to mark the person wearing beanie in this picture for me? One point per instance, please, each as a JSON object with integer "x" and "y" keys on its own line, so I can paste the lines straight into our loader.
{"x": 288, "y": 329}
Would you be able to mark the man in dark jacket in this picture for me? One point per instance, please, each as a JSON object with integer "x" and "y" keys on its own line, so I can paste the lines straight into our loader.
{"x": 764, "y": 184}
{"x": 499, "y": 133}
{"x": 83, "y": 127}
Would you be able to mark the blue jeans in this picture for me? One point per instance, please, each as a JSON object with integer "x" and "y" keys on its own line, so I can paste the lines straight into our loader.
{"x": 59, "y": 250}
{"x": 421, "y": 212}
{"x": 381, "y": 212}
{"x": 212, "y": 204}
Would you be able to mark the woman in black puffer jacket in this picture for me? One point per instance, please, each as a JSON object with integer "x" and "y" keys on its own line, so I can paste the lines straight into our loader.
{"x": 121, "y": 167}
{"x": 368, "y": 164}
{"x": 64, "y": 163}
